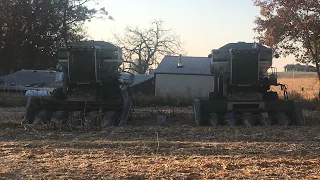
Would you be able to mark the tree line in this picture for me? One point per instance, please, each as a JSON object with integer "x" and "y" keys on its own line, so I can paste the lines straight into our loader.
{"x": 31, "y": 30}
{"x": 299, "y": 67}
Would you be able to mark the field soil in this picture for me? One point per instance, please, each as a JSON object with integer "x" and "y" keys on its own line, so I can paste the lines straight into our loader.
{"x": 144, "y": 150}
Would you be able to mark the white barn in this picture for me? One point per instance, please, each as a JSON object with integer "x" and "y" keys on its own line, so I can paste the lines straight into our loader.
{"x": 191, "y": 78}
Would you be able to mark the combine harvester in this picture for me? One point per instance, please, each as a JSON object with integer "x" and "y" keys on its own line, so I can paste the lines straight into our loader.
{"x": 92, "y": 93}
{"x": 243, "y": 75}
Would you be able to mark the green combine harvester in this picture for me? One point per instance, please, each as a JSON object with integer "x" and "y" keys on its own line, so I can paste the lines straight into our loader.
{"x": 243, "y": 77}
{"x": 92, "y": 93}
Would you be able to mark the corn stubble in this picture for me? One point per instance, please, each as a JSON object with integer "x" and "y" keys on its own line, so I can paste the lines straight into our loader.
{"x": 144, "y": 150}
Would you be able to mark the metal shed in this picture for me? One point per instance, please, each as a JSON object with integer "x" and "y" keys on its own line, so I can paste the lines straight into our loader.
{"x": 188, "y": 77}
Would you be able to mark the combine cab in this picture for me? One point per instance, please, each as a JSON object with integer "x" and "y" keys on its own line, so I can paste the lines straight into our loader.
{"x": 92, "y": 93}
{"x": 243, "y": 77}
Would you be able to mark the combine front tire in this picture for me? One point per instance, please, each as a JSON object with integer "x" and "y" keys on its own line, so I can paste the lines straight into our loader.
{"x": 282, "y": 119}
{"x": 198, "y": 117}
{"x": 110, "y": 118}
{"x": 298, "y": 118}
{"x": 43, "y": 117}
{"x": 248, "y": 119}
{"x": 265, "y": 119}
{"x": 76, "y": 118}
{"x": 214, "y": 119}
{"x": 59, "y": 117}
{"x": 231, "y": 119}
{"x": 126, "y": 111}
{"x": 31, "y": 109}
{"x": 92, "y": 119}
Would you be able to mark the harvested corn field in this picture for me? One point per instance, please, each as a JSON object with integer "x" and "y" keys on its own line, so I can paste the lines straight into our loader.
{"x": 300, "y": 87}
{"x": 144, "y": 150}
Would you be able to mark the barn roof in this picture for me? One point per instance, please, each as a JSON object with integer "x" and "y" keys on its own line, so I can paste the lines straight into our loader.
{"x": 191, "y": 65}
{"x": 138, "y": 78}
{"x": 24, "y": 80}
{"x": 28, "y": 77}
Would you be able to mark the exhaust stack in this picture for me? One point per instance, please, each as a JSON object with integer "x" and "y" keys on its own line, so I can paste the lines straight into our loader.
{"x": 180, "y": 61}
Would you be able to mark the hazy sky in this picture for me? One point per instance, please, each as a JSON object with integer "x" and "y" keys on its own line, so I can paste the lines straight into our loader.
{"x": 202, "y": 24}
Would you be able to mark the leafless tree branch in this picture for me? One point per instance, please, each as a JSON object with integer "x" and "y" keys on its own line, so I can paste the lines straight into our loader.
{"x": 144, "y": 47}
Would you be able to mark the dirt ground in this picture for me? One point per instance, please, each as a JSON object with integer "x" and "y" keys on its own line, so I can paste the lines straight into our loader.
{"x": 144, "y": 150}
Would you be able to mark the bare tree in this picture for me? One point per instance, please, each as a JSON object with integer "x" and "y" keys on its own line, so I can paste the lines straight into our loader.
{"x": 144, "y": 47}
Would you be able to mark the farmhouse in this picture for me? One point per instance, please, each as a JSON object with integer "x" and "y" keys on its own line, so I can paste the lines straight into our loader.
{"x": 184, "y": 77}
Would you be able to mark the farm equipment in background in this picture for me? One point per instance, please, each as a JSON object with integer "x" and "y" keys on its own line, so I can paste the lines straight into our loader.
{"x": 92, "y": 93}
{"x": 242, "y": 94}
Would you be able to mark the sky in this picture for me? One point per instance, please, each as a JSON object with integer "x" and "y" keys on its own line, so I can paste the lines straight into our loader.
{"x": 202, "y": 24}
